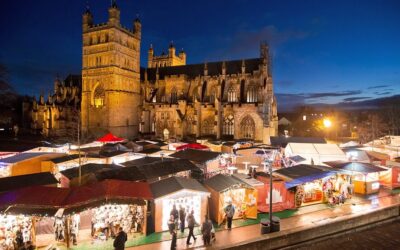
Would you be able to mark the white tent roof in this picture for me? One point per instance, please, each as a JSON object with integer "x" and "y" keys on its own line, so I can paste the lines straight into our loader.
{"x": 316, "y": 152}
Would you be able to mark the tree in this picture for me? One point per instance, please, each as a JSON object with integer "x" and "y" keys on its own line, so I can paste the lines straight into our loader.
{"x": 8, "y": 100}
{"x": 372, "y": 128}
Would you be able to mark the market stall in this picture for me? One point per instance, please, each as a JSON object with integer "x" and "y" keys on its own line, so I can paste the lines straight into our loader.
{"x": 308, "y": 181}
{"x": 365, "y": 176}
{"x": 315, "y": 153}
{"x": 21, "y": 181}
{"x": 209, "y": 162}
{"x": 73, "y": 215}
{"x": 282, "y": 198}
{"x": 227, "y": 189}
{"x": 178, "y": 191}
{"x": 391, "y": 177}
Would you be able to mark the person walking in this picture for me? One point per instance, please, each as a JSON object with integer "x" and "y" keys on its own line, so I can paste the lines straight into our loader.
{"x": 172, "y": 231}
{"x": 206, "y": 228}
{"x": 191, "y": 223}
{"x": 119, "y": 242}
{"x": 175, "y": 213}
{"x": 229, "y": 213}
{"x": 182, "y": 218}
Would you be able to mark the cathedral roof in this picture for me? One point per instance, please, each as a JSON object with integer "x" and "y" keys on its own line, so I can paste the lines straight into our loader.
{"x": 194, "y": 70}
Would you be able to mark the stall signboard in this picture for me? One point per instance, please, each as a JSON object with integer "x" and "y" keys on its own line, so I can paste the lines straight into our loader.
{"x": 282, "y": 198}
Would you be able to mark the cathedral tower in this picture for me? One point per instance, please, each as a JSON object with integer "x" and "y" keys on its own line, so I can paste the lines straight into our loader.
{"x": 110, "y": 76}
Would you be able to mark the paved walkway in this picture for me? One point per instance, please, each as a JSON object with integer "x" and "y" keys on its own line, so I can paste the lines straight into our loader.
{"x": 236, "y": 235}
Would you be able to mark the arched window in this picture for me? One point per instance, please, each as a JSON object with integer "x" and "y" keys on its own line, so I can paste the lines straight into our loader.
{"x": 247, "y": 128}
{"x": 228, "y": 127}
{"x": 252, "y": 94}
{"x": 98, "y": 96}
{"x": 174, "y": 98}
{"x": 208, "y": 127}
{"x": 232, "y": 94}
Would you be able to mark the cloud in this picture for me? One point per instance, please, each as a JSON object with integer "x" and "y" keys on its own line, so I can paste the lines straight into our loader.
{"x": 382, "y": 93}
{"x": 378, "y": 86}
{"x": 332, "y": 94}
{"x": 352, "y": 99}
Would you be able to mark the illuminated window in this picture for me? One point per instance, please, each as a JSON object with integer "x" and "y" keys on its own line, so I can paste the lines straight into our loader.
{"x": 173, "y": 96}
{"x": 98, "y": 96}
{"x": 252, "y": 94}
{"x": 247, "y": 127}
{"x": 232, "y": 94}
{"x": 228, "y": 127}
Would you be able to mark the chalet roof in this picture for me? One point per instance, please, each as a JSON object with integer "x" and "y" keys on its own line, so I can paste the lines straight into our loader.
{"x": 174, "y": 184}
{"x": 197, "y": 156}
{"x": 20, "y": 181}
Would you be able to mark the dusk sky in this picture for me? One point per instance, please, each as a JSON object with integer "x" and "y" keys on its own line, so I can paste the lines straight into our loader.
{"x": 323, "y": 51}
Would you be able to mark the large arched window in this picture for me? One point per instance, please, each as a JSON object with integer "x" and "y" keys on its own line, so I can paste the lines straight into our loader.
{"x": 208, "y": 127}
{"x": 232, "y": 94}
{"x": 228, "y": 128}
{"x": 98, "y": 96}
{"x": 252, "y": 94}
{"x": 247, "y": 128}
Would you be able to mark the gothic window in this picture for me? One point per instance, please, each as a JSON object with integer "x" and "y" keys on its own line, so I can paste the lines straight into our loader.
{"x": 208, "y": 127}
{"x": 247, "y": 127}
{"x": 252, "y": 94}
{"x": 153, "y": 125}
{"x": 98, "y": 96}
{"x": 162, "y": 115}
{"x": 212, "y": 97}
{"x": 228, "y": 127}
{"x": 173, "y": 96}
{"x": 232, "y": 94}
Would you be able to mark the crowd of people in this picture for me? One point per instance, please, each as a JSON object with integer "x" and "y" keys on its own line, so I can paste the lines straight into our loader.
{"x": 179, "y": 218}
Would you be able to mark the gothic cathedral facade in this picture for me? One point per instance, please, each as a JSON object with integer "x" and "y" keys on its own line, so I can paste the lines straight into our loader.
{"x": 168, "y": 99}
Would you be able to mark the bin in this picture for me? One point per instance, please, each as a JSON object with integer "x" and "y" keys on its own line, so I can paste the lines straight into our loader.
{"x": 276, "y": 224}
{"x": 265, "y": 226}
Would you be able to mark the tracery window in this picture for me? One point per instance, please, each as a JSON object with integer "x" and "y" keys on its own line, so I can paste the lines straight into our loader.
{"x": 252, "y": 94}
{"x": 232, "y": 94}
{"x": 228, "y": 127}
{"x": 190, "y": 125}
{"x": 247, "y": 127}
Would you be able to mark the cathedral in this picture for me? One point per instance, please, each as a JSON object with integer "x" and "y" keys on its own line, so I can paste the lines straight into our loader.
{"x": 168, "y": 99}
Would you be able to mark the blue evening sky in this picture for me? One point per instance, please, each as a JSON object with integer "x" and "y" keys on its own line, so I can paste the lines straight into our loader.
{"x": 323, "y": 51}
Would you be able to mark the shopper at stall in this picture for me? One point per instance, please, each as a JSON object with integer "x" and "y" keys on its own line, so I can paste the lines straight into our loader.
{"x": 119, "y": 242}
{"x": 171, "y": 224}
{"x": 19, "y": 239}
{"x": 173, "y": 240}
{"x": 206, "y": 228}
{"x": 182, "y": 217}
{"x": 191, "y": 223}
{"x": 229, "y": 213}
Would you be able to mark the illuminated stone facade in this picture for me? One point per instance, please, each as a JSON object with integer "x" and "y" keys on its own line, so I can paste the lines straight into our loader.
{"x": 110, "y": 76}
{"x": 56, "y": 115}
{"x": 232, "y": 99}
{"x": 168, "y": 99}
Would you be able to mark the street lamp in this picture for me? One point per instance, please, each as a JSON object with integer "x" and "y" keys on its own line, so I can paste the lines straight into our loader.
{"x": 327, "y": 123}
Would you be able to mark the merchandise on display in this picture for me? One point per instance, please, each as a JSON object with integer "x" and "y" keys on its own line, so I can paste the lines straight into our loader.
{"x": 188, "y": 202}
{"x": 15, "y": 231}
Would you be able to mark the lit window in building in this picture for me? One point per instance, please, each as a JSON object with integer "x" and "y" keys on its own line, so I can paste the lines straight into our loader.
{"x": 247, "y": 127}
{"x": 252, "y": 94}
{"x": 173, "y": 96}
{"x": 232, "y": 95}
{"x": 228, "y": 128}
{"x": 98, "y": 96}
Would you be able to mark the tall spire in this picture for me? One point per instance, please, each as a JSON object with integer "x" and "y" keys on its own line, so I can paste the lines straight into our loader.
{"x": 114, "y": 4}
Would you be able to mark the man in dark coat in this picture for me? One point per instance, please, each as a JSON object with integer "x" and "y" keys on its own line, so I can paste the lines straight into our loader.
{"x": 119, "y": 242}
{"x": 182, "y": 218}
